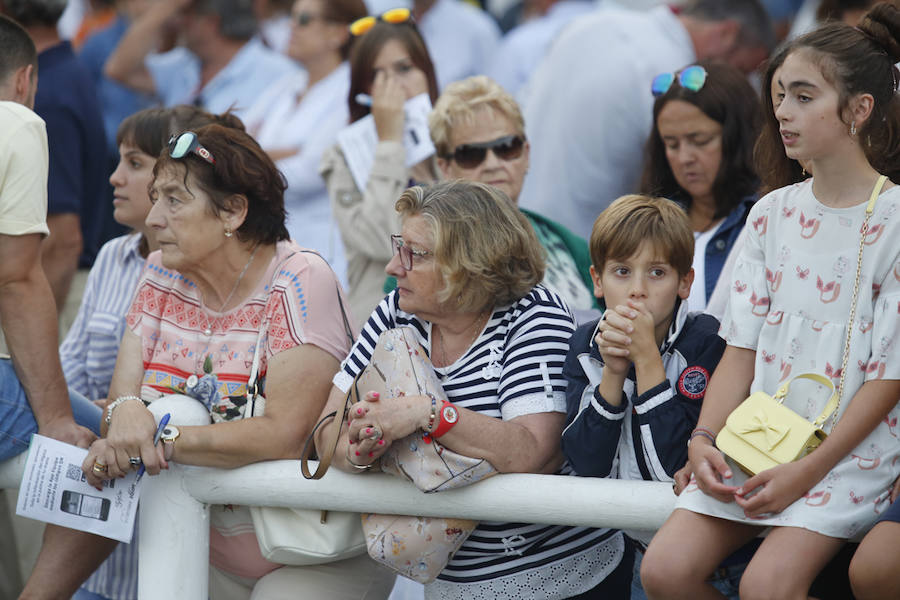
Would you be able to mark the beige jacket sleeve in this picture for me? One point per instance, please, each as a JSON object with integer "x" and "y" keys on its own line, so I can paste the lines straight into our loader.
{"x": 367, "y": 219}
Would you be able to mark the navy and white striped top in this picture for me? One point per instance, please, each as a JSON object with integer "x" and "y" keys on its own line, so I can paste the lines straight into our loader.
{"x": 513, "y": 368}
{"x": 88, "y": 356}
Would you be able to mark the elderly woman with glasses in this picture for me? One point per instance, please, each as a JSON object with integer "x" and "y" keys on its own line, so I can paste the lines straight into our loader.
{"x": 479, "y": 133}
{"x": 225, "y": 286}
{"x": 468, "y": 268}
{"x": 700, "y": 154}
{"x": 389, "y": 64}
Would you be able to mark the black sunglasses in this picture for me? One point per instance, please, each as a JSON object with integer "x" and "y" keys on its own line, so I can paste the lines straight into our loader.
{"x": 469, "y": 156}
{"x": 185, "y": 143}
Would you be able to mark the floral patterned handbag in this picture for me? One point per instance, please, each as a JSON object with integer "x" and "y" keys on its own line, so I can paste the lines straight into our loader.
{"x": 416, "y": 547}
{"x": 761, "y": 432}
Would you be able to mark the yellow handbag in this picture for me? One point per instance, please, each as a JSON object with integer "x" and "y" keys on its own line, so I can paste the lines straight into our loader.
{"x": 761, "y": 432}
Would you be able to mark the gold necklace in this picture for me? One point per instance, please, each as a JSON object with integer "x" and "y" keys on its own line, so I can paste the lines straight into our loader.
{"x": 208, "y": 331}
{"x": 471, "y": 341}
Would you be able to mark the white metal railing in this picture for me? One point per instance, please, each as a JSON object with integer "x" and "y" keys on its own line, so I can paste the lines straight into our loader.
{"x": 174, "y": 515}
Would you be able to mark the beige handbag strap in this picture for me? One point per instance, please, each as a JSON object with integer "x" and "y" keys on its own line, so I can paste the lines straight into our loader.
{"x": 330, "y": 438}
{"x": 870, "y": 208}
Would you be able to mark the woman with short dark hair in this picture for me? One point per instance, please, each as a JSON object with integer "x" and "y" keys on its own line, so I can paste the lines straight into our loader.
{"x": 225, "y": 286}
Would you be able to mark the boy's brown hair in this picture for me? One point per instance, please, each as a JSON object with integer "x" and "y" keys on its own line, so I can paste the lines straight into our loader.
{"x": 632, "y": 219}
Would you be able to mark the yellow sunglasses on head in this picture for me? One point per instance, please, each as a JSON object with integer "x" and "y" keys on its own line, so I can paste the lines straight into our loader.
{"x": 395, "y": 15}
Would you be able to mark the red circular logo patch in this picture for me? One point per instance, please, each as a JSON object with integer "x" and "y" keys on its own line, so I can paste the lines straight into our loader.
{"x": 693, "y": 382}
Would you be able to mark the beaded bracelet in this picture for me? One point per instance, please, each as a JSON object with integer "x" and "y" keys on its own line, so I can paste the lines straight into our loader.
{"x": 702, "y": 432}
{"x": 115, "y": 403}
{"x": 433, "y": 415}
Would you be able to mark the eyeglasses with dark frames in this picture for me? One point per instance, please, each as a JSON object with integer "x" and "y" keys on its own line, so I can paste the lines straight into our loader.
{"x": 187, "y": 143}
{"x": 406, "y": 252}
{"x": 469, "y": 156}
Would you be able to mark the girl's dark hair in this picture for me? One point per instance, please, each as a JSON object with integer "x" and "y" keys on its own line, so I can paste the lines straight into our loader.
{"x": 728, "y": 99}
{"x": 855, "y": 60}
{"x": 345, "y": 12}
{"x": 241, "y": 167}
{"x": 365, "y": 51}
{"x": 149, "y": 130}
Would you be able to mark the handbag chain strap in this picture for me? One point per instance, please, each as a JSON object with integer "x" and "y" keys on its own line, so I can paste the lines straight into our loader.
{"x": 870, "y": 208}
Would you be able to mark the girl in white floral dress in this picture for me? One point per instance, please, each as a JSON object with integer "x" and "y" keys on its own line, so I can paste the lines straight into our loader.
{"x": 834, "y": 106}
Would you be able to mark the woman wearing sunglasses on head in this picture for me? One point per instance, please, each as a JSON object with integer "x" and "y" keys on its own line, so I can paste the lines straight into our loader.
{"x": 479, "y": 133}
{"x": 390, "y": 64}
{"x": 700, "y": 154}
{"x": 497, "y": 339}
{"x": 88, "y": 353}
{"x": 297, "y": 119}
{"x": 227, "y": 285}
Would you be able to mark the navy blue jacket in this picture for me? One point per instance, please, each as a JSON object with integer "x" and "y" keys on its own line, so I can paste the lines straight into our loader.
{"x": 720, "y": 245}
{"x": 646, "y": 436}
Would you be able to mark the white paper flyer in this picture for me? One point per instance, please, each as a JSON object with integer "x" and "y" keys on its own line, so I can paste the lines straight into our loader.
{"x": 54, "y": 490}
{"x": 358, "y": 140}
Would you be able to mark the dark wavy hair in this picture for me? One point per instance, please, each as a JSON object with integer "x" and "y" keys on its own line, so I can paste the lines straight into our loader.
{"x": 148, "y": 130}
{"x": 241, "y": 167}
{"x": 856, "y": 60}
{"x": 365, "y": 51}
{"x": 728, "y": 99}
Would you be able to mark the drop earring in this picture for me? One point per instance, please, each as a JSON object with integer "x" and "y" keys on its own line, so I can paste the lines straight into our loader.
{"x": 853, "y": 128}
{"x": 228, "y": 233}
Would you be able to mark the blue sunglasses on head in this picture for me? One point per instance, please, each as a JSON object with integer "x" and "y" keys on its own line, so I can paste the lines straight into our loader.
{"x": 187, "y": 143}
{"x": 690, "y": 78}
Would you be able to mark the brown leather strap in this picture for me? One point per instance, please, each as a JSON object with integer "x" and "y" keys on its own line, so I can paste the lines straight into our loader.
{"x": 331, "y": 437}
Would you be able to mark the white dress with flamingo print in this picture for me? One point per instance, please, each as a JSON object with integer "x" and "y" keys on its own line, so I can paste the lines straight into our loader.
{"x": 790, "y": 302}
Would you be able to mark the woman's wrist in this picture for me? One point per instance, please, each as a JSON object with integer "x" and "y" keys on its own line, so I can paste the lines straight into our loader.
{"x": 115, "y": 404}
{"x": 356, "y": 467}
{"x": 432, "y": 419}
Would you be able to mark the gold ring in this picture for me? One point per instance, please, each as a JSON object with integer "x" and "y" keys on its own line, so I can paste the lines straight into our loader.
{"x": 100, "y": 467}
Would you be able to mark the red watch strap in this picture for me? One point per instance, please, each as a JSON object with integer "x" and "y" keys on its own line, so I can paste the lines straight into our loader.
{"x": 448, "y": 416}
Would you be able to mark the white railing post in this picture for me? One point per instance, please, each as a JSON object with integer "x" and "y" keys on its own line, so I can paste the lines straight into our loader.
{"x": 174, "y": 527}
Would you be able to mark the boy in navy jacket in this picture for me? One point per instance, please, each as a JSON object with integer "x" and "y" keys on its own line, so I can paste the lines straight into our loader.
{"x": 637, "y": 376}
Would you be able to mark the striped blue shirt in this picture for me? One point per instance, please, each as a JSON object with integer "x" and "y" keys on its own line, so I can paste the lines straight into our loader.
{"x": 513, "y": 368}
{"x": 88, "y": 353}
{"x": 88, "y": 356}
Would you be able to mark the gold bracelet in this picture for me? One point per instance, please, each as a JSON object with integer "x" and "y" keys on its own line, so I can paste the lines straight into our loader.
{"x": 359, "y": 468}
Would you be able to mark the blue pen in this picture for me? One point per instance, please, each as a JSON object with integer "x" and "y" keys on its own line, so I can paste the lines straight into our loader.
{"x": 162, "y": 425}
{"x": 363, "y": 99}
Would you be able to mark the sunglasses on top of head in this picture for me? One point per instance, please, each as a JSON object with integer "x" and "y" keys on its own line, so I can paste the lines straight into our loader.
{"x": 469, "y": 156}
{"x": 187, "y": 143}
{"x": 690, "y": 78}
{"x": 394, "y": 16}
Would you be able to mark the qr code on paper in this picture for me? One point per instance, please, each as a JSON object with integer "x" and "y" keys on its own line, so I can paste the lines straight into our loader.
{"x": 74, "y": 473}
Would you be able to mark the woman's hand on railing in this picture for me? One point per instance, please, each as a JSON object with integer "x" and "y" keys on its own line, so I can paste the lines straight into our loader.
{"x": 128, "y": 443}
